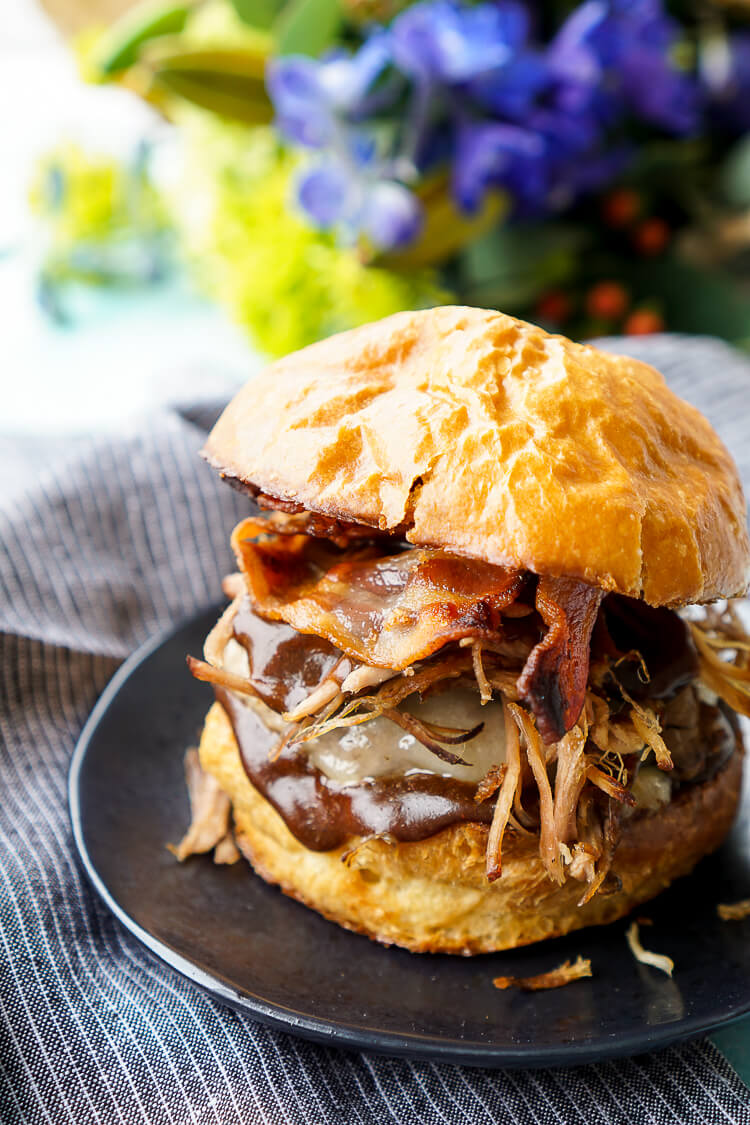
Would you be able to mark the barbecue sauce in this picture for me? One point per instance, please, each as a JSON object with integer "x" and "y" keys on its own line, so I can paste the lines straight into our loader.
{"x": 323, "y": 815}
{"x": 286, "y": 666}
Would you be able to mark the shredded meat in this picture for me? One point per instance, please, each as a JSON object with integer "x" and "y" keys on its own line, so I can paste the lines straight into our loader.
{"x": 576, "y": 729}
{"x": 505, "y": 798}
{"x": 490, "y": 783}
{"x": 734, "y": 911}
{"x": 210, "y": 810}
{"x": 646, "y": 956}
{"x": 555, "y": 978}
{"x": 724, "y": 654}
{"x": 549, "y": 849}
{"x": 569, "y": 781}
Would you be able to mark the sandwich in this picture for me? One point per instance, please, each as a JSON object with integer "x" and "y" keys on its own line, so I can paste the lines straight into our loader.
{"x": 478, "y": 681}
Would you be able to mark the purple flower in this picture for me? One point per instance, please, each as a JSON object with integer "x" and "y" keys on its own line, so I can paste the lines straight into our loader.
{"x": 498, "y": 155}
{"x": 303, "y": 111}
{"x": 325, "y": 194}
{"x": 449, "y": 43}
{"x": 391, "y": 215}
{"x": 339, "y": 194}
{"x": 310, "y": 95}
{"x": 466, "y": 87}
{"x": 612, "y": 57}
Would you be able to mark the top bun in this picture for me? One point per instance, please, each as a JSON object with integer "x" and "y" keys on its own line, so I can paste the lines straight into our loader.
{"x": 471, "y": 431}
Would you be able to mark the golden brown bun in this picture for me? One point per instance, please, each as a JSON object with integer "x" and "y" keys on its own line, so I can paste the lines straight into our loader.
{"x": 433, "y": 897}
{"x": 484, "y": 435}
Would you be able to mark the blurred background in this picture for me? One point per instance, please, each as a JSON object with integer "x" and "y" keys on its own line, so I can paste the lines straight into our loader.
{"x": 191, "y": 186}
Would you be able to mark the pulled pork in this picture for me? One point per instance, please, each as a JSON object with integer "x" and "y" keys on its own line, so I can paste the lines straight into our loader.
{"x": 555, "y": 978}
{"x": 591, "y": 687}
{"x": 210, "y": 813}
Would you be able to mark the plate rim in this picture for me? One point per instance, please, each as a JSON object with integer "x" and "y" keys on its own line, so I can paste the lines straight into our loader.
{"x": 330, "y": 1032}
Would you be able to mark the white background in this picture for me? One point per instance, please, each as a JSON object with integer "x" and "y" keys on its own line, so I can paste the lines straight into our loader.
{"x": 122, "y": 354}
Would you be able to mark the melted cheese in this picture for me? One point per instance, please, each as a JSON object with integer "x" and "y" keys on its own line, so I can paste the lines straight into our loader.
{"x": 380, "y": 748}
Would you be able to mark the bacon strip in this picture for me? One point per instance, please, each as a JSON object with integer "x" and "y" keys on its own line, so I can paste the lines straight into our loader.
{"x": 388, "y": 611}
{"x": 553, "y": 681}
{"x": 338, "y": 532}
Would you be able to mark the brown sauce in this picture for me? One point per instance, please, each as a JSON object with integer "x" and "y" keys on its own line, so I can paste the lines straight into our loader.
{"x": 285, "y": 666}
{"x": 323, "y": 815}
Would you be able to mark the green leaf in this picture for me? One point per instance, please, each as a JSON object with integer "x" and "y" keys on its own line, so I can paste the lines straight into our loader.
{"x": 257, "y": 13}
{"x": 307, "y": 27}
{"x": 121, "y": 45}
{"x": 233, "y": 96}
{"x": 734, "y": 178}
{"x": 246, "y": 61}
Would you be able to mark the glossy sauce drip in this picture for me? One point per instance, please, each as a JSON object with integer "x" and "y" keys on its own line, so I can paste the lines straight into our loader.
{"x": 323, "y": 815}
{"x": 285, "y": 666}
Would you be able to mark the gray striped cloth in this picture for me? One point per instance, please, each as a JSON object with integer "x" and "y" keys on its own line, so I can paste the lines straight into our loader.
{"x": 112, "y": 541}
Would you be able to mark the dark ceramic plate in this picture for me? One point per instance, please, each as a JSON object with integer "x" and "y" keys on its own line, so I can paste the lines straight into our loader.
{"x": 251, "y": 947}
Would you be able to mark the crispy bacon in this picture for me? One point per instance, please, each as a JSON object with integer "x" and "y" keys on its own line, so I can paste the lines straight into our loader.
{"x": 554, "y": 679}
{"x": 387, "y": 611}
{"x": 338, "y": 532}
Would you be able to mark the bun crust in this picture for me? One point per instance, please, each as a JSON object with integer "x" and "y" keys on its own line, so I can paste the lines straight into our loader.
{"x": 481, "y": 434}
{"x": 432, "y": 896}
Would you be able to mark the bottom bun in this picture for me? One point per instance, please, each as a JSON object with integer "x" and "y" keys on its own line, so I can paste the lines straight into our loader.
{"x": 433, "y": 897}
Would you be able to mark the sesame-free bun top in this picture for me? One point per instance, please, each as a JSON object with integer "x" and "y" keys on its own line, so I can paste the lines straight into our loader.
{"x": 469, "y": 430}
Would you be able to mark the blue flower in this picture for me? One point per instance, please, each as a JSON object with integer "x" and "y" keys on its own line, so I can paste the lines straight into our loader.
{"x": 492, "y": 154}
{"x": 356, "y": 200}
{"x": 449, "y": 43}
{"x": 467, "y": 87}
{"x": 303, "y": 110}
{"x": 510, "y": 90}
{"x": 613, "y": 57}
{"x": 311, "y": 95}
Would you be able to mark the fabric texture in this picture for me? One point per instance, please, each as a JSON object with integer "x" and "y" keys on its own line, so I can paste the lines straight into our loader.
{"x": 110, "y": 542}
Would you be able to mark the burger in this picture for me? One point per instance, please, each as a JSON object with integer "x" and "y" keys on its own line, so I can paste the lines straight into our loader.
{"x": 478, "y": 681}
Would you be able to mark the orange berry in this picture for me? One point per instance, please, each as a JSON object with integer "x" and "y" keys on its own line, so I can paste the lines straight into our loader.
{"x": 643, "y": 322}
{"x": 621, "y": 207}
{"x": 607, "y": 299}
{"x": 651, "y": 236}
{"x": 554, "y": 306}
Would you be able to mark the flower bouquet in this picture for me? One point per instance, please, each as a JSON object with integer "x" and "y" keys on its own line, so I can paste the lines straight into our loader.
{"x": 586, "y": 165}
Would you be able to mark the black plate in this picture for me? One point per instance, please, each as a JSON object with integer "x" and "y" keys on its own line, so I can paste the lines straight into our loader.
{"x": 251, "y": 947}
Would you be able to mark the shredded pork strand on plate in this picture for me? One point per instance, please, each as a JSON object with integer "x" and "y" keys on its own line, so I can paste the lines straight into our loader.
{"x": 408, "y": 624}
{"x": 734, "y": 911}
{"x": 646, "y": 956}
{"x": 555, "y": 978}
{"x": 210, "y": 811}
